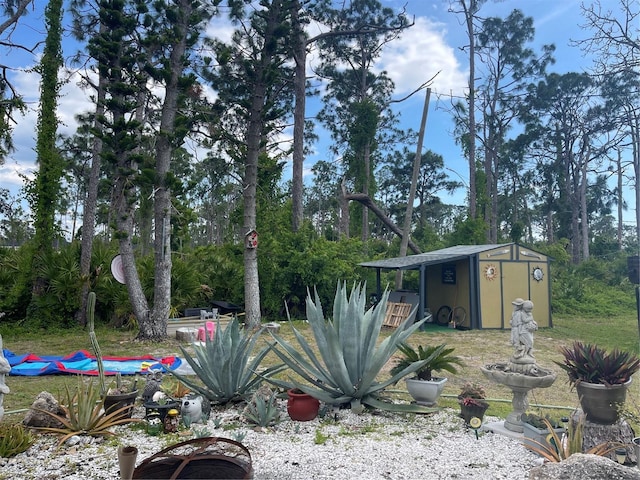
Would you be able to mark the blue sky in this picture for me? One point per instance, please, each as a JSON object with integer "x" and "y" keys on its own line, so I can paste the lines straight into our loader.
{"x": 432, "y": 45}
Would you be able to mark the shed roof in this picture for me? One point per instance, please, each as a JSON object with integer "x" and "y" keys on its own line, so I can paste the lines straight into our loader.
{"x": 444, "y": 255}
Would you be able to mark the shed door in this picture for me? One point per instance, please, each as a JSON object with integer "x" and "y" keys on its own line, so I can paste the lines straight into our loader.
{"x": 515, "y": 283}
{"x": 491, "y": 294}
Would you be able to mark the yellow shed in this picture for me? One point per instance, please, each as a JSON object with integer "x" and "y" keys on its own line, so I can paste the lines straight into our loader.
{"x": 473, "y": 286}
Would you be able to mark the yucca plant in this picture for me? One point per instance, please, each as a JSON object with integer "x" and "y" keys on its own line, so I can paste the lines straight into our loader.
{"x": 84, "y": 413}
{"x": 585, "y": 362}
{"x": 224, "y": 365}
{"x": 349, "y": 358}
{"x": 262, "y": 411}
{"x": 440, "y": 358}
{"x": 559, "y": 448}
{"x": 14, "y": 439}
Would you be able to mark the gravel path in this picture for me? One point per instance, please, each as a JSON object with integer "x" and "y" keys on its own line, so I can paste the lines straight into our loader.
{"x": 342, "y": 445}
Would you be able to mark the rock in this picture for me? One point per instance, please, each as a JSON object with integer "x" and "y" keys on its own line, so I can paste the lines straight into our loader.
{"x": 35, "y": 418}
{"x": 186, "y": 334}
{"x": 580, "y": 466}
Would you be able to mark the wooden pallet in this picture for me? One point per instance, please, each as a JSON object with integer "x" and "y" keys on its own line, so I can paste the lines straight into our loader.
{"x": 396, "y": 314}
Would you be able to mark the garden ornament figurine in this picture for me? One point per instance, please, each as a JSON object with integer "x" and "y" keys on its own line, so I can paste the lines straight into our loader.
{"x": 195, "y": 409}
{"x": 5, "y": 368}
{"x": 521, "y": 373}
{"x": 522, "y": 327}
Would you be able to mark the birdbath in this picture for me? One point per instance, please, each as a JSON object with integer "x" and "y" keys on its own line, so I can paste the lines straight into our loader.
{"x": 521, "y": 373}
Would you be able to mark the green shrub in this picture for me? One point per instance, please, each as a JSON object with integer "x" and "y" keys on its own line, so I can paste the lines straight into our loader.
{"x": 14, "y": 439}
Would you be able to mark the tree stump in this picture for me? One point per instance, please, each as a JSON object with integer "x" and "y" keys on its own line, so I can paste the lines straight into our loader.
{"x": 595, "y": 434}
{"x": 186, "y": 334}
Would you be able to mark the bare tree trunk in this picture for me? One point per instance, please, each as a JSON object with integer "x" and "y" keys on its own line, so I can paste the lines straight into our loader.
{"x": 619, "y": 199}
{"x": 406, "y": 228}
{"x": 370, "y": 204}
{"x": 365, "y": 190}
{"x": 469, "y": 12}
{"x": 157, "y": 326}
{"x": 90, "y": 204}
{"x": 584, "y": 217}
{"x": 343, "y": 222}
{"x": 300, "y": 57}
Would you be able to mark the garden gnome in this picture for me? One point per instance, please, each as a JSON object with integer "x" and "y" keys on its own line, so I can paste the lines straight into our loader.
{"x": 4, "y": 369}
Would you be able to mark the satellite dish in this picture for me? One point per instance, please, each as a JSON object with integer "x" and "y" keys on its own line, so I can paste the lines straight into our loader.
{"x": 117, "y": 270}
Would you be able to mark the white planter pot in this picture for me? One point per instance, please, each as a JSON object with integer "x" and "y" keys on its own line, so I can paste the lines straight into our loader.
{"x": 425, "y": 392}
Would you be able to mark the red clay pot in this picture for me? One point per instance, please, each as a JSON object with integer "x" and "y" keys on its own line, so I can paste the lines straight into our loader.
{"x": 301, "y": 406}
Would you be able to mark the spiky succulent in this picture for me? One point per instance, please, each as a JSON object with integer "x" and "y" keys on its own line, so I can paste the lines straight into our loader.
{"x": 349, "y": 357}
{"x": 585, "y": 362}
{"x": 439, "y": 358}
{"x": 225, "y": 365}
{"x": 84, "y": 413}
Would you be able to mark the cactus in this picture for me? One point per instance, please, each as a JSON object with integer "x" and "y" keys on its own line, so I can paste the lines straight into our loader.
{"x": 91, "y": 311}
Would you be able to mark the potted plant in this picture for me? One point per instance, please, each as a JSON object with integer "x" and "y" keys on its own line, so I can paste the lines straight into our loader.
{"x": 424, "y": 387}
{"x": 301, "y": 406}
{"x": 472, "y": 402}
{"x": 536, "y": 429}
{"x": 601, "y": 379}
{"x": 123, "y": 394}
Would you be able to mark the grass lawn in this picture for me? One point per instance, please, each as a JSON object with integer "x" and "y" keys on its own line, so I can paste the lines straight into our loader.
{"x": 477, "y": 348}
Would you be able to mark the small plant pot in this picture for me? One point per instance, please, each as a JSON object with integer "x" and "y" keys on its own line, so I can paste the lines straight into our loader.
{"x": 636, "y": 449}
{"x": 120, "y": 400}
{"x": 534, "y": 436}
{"x": 127, "y": 461}
{"x": 467, "y": 412}
{"x": 161, "y": 408}
{"x": 425, "y": 392}
{"x": 302, "y": 407}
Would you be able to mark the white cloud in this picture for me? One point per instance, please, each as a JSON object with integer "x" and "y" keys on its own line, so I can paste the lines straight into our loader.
{"x": 421, "y": 53}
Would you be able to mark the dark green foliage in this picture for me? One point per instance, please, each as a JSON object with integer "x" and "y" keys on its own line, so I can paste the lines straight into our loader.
{"x": 439, "y": 357}
{"x": 585, "y": 362}
{"x": 538, "y": 421}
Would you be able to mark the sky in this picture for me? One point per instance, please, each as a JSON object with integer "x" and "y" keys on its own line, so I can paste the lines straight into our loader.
{"x": 432, "y": 46}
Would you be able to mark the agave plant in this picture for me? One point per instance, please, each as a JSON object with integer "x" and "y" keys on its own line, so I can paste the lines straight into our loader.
{"x": 223, "y": 365}
{"x": 559, "y": 448}
{"x": 440, "y": 358}
{"x": 585, "y": 362}
{"x": 349, "y": 358}
{"x": 263, "y": 412}
{"x": 84, "y": 413}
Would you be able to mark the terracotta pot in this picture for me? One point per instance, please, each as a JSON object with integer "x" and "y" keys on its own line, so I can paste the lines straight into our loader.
{"x": 600, "y": 403}
{"x": 301, "y": 406}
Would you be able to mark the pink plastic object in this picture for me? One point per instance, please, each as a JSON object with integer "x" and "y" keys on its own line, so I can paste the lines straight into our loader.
{"x": 210, "y": 329}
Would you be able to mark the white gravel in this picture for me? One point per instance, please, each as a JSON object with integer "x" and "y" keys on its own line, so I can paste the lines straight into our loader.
{"x": 368, "y": 446}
